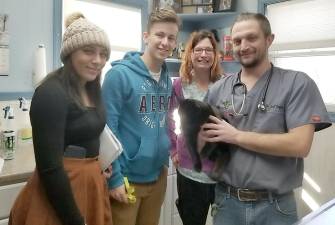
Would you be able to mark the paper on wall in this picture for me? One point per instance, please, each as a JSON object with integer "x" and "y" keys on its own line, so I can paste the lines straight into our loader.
{"x": 4, "y": 45}
{"x": 4, "y": 60}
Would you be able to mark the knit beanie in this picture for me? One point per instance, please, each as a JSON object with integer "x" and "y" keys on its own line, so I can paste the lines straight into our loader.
{"x": 79, "y": 33}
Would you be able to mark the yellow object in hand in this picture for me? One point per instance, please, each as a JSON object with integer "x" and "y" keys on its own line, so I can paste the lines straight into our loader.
{"x": 130, "y": 191}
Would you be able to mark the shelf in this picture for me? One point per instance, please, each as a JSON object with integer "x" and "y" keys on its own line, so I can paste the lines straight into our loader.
{"x": 178, "y": 61}
{"x": 172, "y": 60}
{"x": 200, "y": 17}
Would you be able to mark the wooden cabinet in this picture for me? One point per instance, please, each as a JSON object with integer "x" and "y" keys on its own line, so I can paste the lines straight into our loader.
{"x": 4, "y": 222}
{"x": 8, "y": 194}
{"x": 13, "y": 177}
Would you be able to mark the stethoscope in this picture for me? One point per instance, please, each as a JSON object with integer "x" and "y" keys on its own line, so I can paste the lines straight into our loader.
{"x": 261, "y": 106}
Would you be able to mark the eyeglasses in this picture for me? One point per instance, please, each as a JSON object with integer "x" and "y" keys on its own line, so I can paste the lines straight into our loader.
{"x": 198, "y": 51}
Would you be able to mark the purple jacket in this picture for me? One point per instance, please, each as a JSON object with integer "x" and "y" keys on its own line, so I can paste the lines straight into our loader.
{"x": 178, "y": 145}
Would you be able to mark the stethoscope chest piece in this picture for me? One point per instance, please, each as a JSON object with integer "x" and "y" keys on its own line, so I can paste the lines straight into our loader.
{"x": 261, "y": 106}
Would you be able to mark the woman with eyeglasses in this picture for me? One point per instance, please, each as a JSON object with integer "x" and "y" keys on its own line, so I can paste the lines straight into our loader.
{"x": 200, "y": 68}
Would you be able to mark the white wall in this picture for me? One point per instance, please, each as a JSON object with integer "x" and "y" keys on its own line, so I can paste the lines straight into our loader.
{"x": 319, "y": 165}
{"x": 30, "y": 24}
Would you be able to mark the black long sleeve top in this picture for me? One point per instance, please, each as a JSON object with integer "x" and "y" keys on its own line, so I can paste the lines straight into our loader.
{"x": 56, "y": 123}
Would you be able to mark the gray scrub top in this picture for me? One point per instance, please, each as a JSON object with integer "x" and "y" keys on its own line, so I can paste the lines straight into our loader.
{"x": 292, "y": 100}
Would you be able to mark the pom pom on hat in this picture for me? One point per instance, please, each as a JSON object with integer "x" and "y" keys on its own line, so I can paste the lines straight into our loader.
{"x": 73, "y": 17}
{"x": 79, "y": 33}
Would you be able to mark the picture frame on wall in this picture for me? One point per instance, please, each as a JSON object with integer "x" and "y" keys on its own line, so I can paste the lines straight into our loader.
{"x": 204, "y": 9}
{"x": 224, "y": 5}
{"x": 197, "y": 6}
{"x": 189, "y": 9}
{"x": 196, "y": 2}
{"x": 174, "y": 4}
{"x": 187, "y": 2}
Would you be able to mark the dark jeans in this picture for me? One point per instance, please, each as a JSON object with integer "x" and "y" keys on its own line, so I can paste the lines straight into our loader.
{"x": 194, "y": 199}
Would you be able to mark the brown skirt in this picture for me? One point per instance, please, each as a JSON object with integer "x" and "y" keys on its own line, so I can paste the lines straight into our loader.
{"x": 89, "y": 189}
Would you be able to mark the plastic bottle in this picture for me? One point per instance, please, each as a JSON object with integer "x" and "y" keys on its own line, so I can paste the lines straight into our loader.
{"x": 24, "y": 132}
{"x": 8, "y": 138}
{"x": 228, "y": 48}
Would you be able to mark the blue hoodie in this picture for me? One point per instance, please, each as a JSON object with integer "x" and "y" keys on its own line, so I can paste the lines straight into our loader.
{"x": 137, "y": 108}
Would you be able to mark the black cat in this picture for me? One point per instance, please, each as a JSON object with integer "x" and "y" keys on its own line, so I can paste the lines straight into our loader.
{"x": 193, "y": 114}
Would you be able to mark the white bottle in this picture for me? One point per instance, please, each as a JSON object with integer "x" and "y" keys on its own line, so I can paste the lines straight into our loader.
{"x": 39, "y": 70}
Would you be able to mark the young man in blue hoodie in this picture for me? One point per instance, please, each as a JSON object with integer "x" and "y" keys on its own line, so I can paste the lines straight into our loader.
{"x": 136, "y": 93}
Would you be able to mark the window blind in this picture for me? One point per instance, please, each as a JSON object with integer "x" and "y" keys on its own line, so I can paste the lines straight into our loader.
{"x": 302, "y": 24}
{"x": 121, "y": 23}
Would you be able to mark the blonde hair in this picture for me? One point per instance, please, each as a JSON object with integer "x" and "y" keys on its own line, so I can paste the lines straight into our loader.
{"x": 163, "y": 15}
{"x": 186, "y": 65}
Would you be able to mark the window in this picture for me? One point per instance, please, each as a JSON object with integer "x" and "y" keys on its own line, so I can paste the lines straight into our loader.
{"x": 301, "y": 24}
{"x": 122, "y": 24}
{"x": 318, "y": 67}
{"x": 305, "y": 41}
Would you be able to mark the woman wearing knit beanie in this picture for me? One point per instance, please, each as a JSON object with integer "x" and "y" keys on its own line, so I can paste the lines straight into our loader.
{"x": 67, "y": 117}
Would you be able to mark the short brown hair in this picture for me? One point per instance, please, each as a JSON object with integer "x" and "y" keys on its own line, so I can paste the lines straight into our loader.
{"x": 165, "y": 15}
{"x": 186, "y": 65}
{"x": 260, "y": 18}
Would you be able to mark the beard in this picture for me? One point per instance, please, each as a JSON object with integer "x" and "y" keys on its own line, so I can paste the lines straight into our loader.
{"x": 250, "y": 63}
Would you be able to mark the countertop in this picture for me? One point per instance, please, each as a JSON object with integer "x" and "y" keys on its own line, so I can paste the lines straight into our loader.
{"x": 20, "y": 168}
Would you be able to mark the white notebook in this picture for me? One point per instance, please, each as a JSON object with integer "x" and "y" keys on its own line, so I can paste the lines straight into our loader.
{"x": 110, "y": 148}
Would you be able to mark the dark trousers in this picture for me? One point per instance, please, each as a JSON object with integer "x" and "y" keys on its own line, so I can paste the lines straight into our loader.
{"x": 194, "y": 199}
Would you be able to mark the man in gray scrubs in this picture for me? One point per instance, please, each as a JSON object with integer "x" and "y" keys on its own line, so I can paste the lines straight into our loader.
{"x": 273, "y": 114}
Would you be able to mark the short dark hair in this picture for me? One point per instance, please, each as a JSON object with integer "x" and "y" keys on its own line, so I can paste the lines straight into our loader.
{"x": 260, "y": 18}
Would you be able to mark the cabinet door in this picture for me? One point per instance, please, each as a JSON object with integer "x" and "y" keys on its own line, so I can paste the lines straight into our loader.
{"x": 8, "y": 194}
{"x": 175, "y": 214}
{"x": 177, "y": 220}
{"x": 4, "y": 222}
{"x": 209, "y": 217}
{"x": 175, "y": 194}
{"x": 166, "y": 210}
